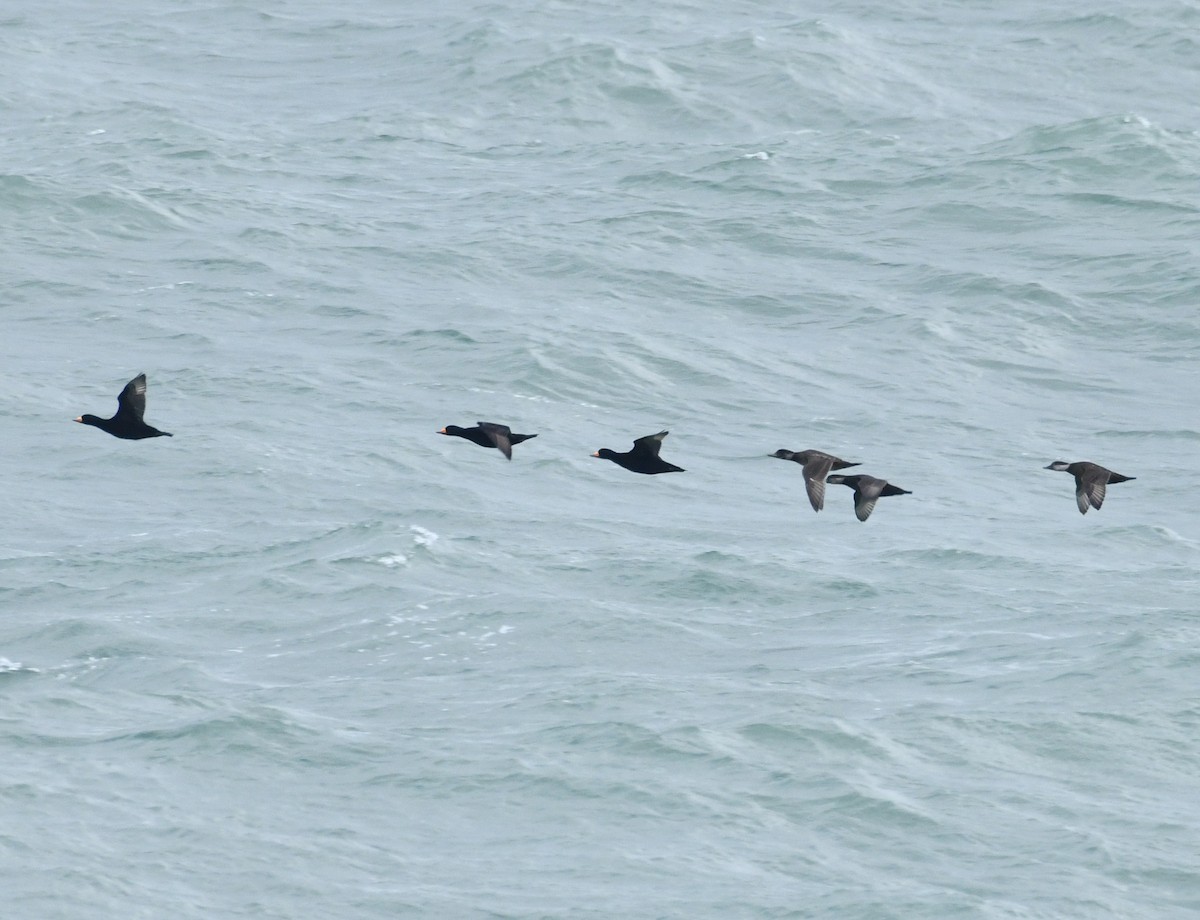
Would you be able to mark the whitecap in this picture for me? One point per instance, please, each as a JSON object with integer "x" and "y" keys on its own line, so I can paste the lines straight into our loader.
{"x": 423, "y": 537}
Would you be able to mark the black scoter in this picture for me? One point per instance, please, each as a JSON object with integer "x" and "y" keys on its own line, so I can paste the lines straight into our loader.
{"x": 489, "y": 434}
{"x": 127, "y": 423}
{"x": 643, "y": 458}
{"x": 867, "y": 490}
{"x": 1090, "y": 481}
{"x": 817, "y": 465}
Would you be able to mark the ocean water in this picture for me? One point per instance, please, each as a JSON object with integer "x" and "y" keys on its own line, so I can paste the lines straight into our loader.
{"x": 307, "y": 659}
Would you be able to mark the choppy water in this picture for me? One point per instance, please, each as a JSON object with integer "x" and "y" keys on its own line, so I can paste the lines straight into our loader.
{"x": 308, "y": 659}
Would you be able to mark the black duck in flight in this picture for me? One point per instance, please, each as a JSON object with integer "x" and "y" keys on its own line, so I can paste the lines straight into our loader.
{"x": 643, "y": 457}
{"x": 127, "y": 423}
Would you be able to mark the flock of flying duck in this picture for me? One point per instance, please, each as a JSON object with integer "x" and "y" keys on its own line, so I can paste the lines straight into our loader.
{"x": 1091, "y": 479}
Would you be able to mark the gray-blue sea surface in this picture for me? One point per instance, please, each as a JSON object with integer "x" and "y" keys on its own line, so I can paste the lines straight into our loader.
{"x": 308, "y": 659}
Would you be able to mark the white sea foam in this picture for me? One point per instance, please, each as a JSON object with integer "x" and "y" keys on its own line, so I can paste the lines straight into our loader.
{"x": 423, "y": 536}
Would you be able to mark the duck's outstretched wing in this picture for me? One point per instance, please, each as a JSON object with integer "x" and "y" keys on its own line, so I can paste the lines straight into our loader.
{"x": 1090, "y": 489}
{"x": 868, "y": 492}
{"x": 815, "y": 471}
{"x": 500, "y": 435}
{"x": 863, "y": 506}
{"x": 649, "y": 445}
{"x": 131, "y": 404}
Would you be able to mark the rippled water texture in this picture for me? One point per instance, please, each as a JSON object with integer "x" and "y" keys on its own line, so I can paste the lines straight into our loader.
{"x": 307, "y": 658}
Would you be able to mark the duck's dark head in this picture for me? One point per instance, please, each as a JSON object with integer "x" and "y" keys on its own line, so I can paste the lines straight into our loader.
{"x": 1060, "y": 465}
{"x": 605, "y": 454}
{"x": 452, "y": 429}
{"x": 783, "y": 454}
{"x": 90, "y": 420}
